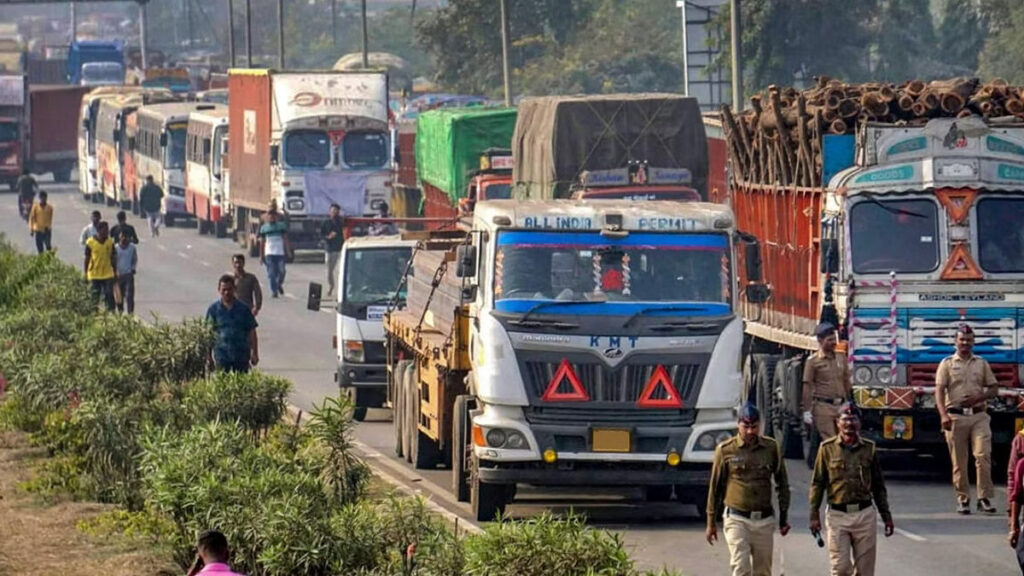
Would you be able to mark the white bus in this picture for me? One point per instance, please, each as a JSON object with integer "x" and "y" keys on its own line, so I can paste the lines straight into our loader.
{"x": 204, "y": 191}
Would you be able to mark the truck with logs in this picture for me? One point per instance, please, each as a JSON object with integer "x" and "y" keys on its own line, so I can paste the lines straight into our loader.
{"x": 893, "y": 213}
{"x": 570, "y": 343}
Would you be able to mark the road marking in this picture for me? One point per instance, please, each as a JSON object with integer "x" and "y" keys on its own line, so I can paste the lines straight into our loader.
{"x": 289, "y": 296}
{"x": 183, "y": 255}
{"x": 907, "y": 534}
{"x": 162, "y": 247}
{"x": 207, "y": 264}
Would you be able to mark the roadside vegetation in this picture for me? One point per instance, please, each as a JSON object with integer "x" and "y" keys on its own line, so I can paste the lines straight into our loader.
{"x": 126, "y": 413}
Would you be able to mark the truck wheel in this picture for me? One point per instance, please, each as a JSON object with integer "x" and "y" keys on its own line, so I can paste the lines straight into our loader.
{"x": 409, "y": 410}
{"x": 658, "y": 493}
{"x": 397, "y": 406}
{"x": 810, "y": 445}
{"x": 168, "y": 220}
{"x": 763, "y": 395}
{"x": 696, "y": 495}
{"x": 108, "y": 200}
{"x": 487, "y": 500}
{"x": 359, "y": 413}
{"x": 254, "y": 246}
{"x": 460, "y": 447}
{"x": 135, "y": 207}
{"x": 62, "y": 175}
{"x": 220, "y": 229}
{"x": 426, "y": 452}
{"x": 787, "y": 435}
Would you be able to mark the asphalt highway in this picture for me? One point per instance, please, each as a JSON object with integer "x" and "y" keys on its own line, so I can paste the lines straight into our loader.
{"x": 177, "y": 278}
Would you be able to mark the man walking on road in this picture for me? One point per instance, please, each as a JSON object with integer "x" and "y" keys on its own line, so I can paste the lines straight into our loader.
{"x": 150, "y": 197}
{"x": 90, "y": 229}
{"x": 127, "y": 261}
{"x": 741, "y": 486}
{"x": 27, "y": 188}
{"x": 40, "y": 224}
{"x": 123, "y": 226}
{"x": 212, "y": 556}
{"x": 848, "y": 477}
{"x": 247, "y": 285}
{"x": 964, "y": 383}
{"x": 237, "y": 347}
{"x": 827, "y": 383}
{"x": 273, "y": 248}
{"x": 333, "y": 232}
{"x": 99, "y": 265}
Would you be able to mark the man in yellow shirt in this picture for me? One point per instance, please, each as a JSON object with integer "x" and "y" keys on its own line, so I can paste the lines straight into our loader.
{"x": 99, "y": 264}
{"x": 40, "y": 223}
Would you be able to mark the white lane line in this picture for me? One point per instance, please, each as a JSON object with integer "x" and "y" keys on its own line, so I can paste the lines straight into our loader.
{"x": 207, "y": 264}
{"x": 183, "y": 255}
{"x": 906, "y": 533}
{"x": 289, "y": 296}
{"x": 327, "y": 311}
{"x": 162, "y": 247}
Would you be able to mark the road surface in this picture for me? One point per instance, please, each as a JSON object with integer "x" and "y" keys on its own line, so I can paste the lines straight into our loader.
{"x": 177, "y": 278}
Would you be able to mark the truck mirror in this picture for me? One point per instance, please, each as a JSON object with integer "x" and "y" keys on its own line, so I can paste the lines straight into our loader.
{"x": 752, "y": 259}
{"x": 829, "y": 256}
{"x": 313, "y": 299}
{"x": 469, "y": 294}
{"x": 274, "y": 149}
{"x": 85, "y": 123}
{"x": 465, "y": 255}
{"x": 397, "y": 156}
{"x": 758, "y": 293}
{"x": 224, "y": 147}
{"x": 163, "y": 139}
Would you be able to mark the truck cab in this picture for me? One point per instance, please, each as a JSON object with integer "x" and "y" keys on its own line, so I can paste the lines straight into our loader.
{"x": 369, "y": 273}
{"x": 493, "y": 181}
{"x": 10, "y": 150}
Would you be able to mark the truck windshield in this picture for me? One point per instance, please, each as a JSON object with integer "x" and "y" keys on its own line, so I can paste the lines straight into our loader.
{"x": 640, "y": 268}
{"x": 365, "y": 149}
{"x": 897, "y": 235}
{"x": 371, "y": 275}
{"x": 307, "y": 149}
{"x": 175, "y": 152}
{"x": 218, "y": 139}
{"x": 8, "y": 132}
{"x": 102, "y": 73}
{"x": 496, "y": 191}
{"x": 1000, "y": 236}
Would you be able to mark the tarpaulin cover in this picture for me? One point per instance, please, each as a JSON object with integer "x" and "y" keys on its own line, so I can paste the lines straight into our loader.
{"x": 348, "y": 189}
{"x": 449, "y": 143}
{"x": 558, "y": 137}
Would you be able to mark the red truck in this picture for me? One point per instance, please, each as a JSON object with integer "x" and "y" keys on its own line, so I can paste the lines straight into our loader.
{"x": 13, "y": 127}
{"x": 53, "y": 129}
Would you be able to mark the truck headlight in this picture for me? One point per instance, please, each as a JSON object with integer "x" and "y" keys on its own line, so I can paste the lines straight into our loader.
{"x": 352, "y": 350}
{"x": 884, "y": 374}
{"x": 295, "y": 204}
{"x": 504, "y": 438}
{"x": 862, "y": 375}
{"x": 708, "y": 440}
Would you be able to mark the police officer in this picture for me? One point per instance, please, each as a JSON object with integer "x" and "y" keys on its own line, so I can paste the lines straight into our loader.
{"x": 741, "y": 483}
{"x": 826, "y": 383}
{"x": 848, "y": 476}
{"x": 963, "y": 385}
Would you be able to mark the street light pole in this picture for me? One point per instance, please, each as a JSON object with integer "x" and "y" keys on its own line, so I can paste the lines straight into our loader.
{"x": 231, "y": 32}
{"x": 681, "y": 4}
{"x": 504, "y": 53}
{"x": 248, "y": 33}
{"x": 366, "y": 40}
{"x": 280, "y": 33}
{"x": 143, "y": 60}
{"x": 736, "y": 33}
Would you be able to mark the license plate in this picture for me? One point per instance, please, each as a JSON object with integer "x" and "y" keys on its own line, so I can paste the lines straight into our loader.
{"x": 604, "y": 440}
{"x": 898, "y": 428}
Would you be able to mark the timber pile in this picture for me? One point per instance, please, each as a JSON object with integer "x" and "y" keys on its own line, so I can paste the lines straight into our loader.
{"x": 779, "y": 139}
{"x": 446, "y": 299}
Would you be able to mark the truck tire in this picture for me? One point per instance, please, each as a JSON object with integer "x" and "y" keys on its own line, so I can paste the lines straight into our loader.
{"x": 410, "y": 408}
{"x": 168, "y": 220}
{"x": 359, "y": 413}
{"x": 696, "y": 495}
{"x": 397, "y": 406}
{"x": 460, "y": 447}
{"x": 62, "y": 175}
{"x": 763, "y": 375}
{"x": 220, "y": 230}
{"x": 253, "y": 245}
{"x": 786, "y": 433}
{"x": 810, "y": 445}
{"x": 487, "y": 500}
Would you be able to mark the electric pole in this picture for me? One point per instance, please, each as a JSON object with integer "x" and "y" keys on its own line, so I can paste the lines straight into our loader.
{"x": 366, "y": 40}
{"x": 504, "y": 54}
{"x": 280, "y": 33}
{"x": 248, "y": 33}
{"x": 231, "y": 32}
{"x": 736, "y": 33}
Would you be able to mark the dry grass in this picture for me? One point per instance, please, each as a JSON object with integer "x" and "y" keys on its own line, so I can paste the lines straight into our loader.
{"x": 42, "y": 539}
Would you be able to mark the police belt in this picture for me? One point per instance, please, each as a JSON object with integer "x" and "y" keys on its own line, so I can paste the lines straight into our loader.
{"x": 832, "y": 401}
{"x": 851, "y": 506}
{"x": 759, "y": 515}
{"x": 962, "y": 411}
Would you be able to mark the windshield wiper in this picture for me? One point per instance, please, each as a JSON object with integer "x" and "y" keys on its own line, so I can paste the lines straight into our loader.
{"x": 549, "y": 304}
{"x": 649, "y": 309}
{"x": 891, "y": 210}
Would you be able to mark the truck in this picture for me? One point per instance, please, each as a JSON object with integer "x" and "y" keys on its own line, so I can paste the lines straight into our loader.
{"x": 205, "y": 145}
{"x": 570, "y": 343}
{"x": 462, "y": 155}
{"x": 558, "y": 138}
{"x": 14, "y": 102}
{"x": 904, "y": 232}
{"x": 304, "y": 140}
{"x": 53, "y": 133}
{"x": 12, "y": 54}
{"x": 96, "y": 62}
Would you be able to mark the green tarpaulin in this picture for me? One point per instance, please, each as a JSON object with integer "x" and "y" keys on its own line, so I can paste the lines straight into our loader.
{"x": 449, "y": 142}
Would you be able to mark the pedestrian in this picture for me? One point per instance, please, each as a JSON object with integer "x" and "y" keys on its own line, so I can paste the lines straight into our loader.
{"x": 99, "y": 265}
{"x": 40, "y": 224}
{"x": 237, "y": 347}
{"x": 964, "y": 383}
{"x": 274, "y": 247}
{"x": 123, "y": 226}
{"x": 382, "y": 227}
{"x": 127, "y": 262}
{"x": 741, "y": 488}
{"x": 247, "y": 285}
{"x": 827, "y": 383}
{"x": 848, "y": 477}
{"x": 27, "y": 187}
{"x": 333, "y": 232}
{"x": 1016, "y": 455}
{"x": 90, "y": 229}
{"x": 150, "y": 199}
{"x": 1015, "y": 497}
{"x": 212, "y": 555}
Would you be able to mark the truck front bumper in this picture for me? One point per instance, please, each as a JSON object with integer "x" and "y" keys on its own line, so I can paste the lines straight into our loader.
{"x": 304, "y": 233}
{"x": 350, "y": 375}
{"x": 585, "y": 473}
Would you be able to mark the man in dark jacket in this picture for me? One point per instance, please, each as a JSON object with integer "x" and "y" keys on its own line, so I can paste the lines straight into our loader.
{"x": 123, "y": 227}
{"x": 150, "y": 198}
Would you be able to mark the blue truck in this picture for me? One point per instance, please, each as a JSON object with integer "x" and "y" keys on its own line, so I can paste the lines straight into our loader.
{"x": 96, "y": 62}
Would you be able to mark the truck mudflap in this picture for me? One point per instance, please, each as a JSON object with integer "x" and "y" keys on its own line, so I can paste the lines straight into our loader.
{"x": 590, "y": 473}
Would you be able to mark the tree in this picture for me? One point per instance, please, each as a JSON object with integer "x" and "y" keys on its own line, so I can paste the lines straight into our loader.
{"x": 906, "y": 40}
{"x": 1001, "y": 56}
{"x": 961, "y": 35}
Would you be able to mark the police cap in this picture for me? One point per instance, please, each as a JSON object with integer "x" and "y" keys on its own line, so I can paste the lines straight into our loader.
{"x": 749, "y": 413}
{"x": 849, "y": 408}
{"x": 824, "y": 330}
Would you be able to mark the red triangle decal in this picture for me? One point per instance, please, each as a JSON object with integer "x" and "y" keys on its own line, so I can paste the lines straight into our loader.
{"x": 960, "y": 265}
{"x": 672, "y": 398}
{"x": 565, "y": 373}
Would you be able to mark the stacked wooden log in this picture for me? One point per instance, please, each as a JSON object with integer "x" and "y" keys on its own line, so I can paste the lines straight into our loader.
{"x": 440, "y": 304}
{"x": 778, "y": 140}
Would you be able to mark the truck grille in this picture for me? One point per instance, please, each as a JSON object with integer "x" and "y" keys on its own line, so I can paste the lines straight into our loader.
{"x": 924, "y": 375}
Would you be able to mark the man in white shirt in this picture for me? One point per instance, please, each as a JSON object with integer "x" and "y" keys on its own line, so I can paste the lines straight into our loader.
{"x": 90, "y": 230}
{"x": 126, "y": 260}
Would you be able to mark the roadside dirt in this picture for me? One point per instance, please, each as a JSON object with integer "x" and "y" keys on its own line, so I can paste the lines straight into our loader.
{"x": 38, "y": 539}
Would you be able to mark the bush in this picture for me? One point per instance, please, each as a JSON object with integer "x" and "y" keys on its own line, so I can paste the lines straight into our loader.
{"x": 256, "y": 400}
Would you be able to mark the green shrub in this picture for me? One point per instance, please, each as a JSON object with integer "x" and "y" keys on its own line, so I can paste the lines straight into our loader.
{"x": 330, "y": 425}
{"x": 256, "y": 400}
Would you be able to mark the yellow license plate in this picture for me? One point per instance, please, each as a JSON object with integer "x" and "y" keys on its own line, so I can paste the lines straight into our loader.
{"x": 898, "y": 428}
{"x": 604, "y": 440}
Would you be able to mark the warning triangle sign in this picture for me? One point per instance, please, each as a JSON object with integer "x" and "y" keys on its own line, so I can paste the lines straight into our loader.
{"x": 960, "y": 265}
{"x": 555, "y": 392}
{"x": 671, "y": 397}
{"x": 336, "y": 136}
{"x": 957, "y": 202}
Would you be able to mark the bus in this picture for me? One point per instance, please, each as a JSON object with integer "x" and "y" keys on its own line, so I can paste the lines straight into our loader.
{"x": 160, "y": 152}
{"x": 204, "y": 149}
{"x": 88, "y": 115}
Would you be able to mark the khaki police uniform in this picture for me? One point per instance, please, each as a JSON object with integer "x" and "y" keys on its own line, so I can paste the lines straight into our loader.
{"x": 850, "y": 479}
{"x": 826, "y": 387}
{"x": 741, "y": 488}
{"x": 971, "y": 424}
